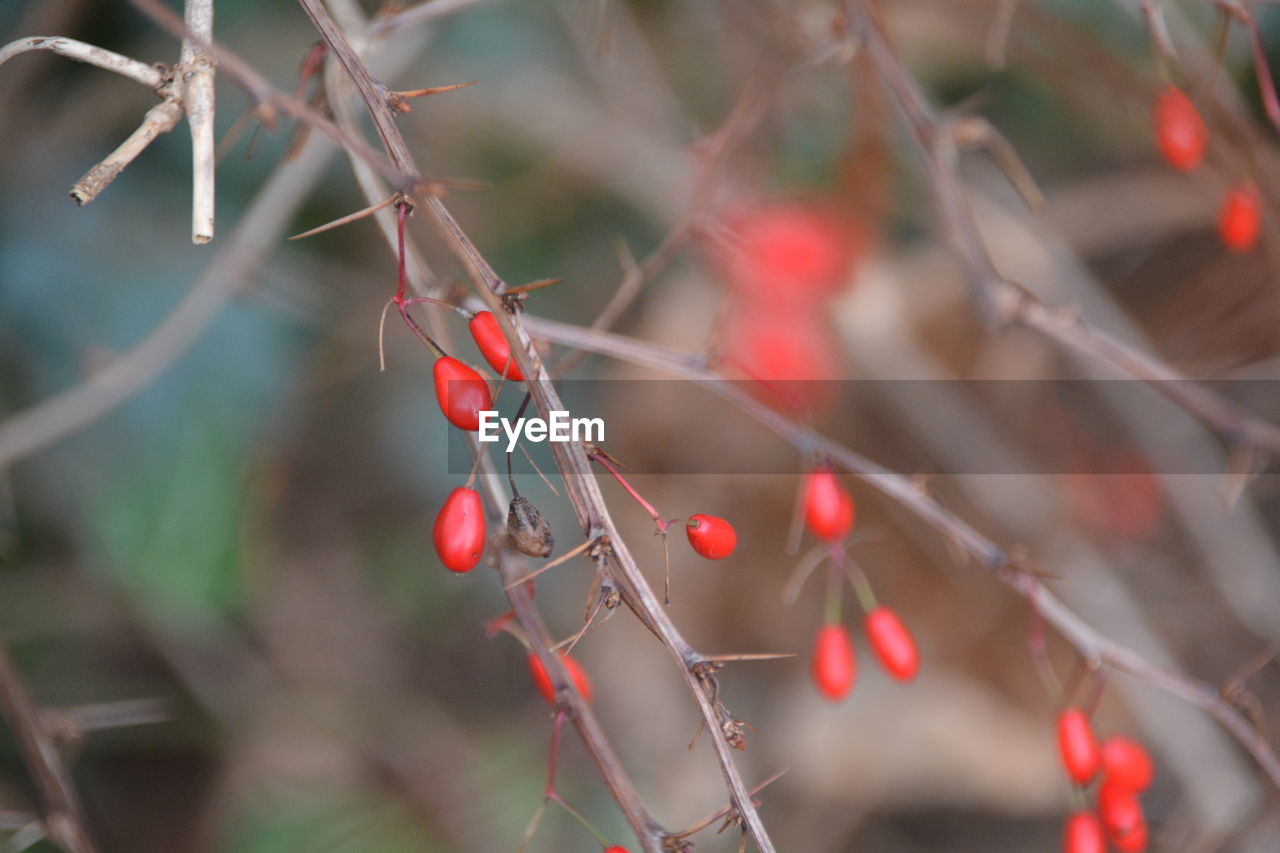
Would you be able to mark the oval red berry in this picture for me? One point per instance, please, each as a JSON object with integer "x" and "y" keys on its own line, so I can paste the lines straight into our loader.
{"x": 1180, "y": 132}
{"x": 1240, "y": 217}
{"x": 1119, "y": 808}
{"x": 1134, "y": 841}
{"x": 493, "y": 345}
{"x": 712, "y": 537}
{"x": 1083, "y": 834}
{"x": 834, "y": 666}
{"x": 1127, "y": 764}
{"x": 542, "y": 681}
{"x": 1077, "y": 746}
{"x": 461, "y": 393}
{"x": 458, "y": 533}
{"x": 828, "y": 507}
{"x": 892, "y": 643}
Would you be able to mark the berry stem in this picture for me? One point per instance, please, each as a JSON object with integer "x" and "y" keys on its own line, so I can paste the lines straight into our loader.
{"x": 579, "y": 816}
{"x": 653, "y": 513}
{"x": 834, "y": 595}
{"x": 857, "y": 577}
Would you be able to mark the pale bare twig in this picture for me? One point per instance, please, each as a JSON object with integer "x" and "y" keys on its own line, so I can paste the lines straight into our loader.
{"x": 161, "y": 118}
{"x": 151, "y": 76}
{"x": 194, "y": 83}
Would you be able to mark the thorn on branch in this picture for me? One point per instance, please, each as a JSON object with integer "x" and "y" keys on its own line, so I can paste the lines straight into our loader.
{"x": 399, "y": 101}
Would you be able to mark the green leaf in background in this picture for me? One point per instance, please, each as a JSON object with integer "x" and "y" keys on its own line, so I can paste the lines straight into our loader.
{"x": 169, "y": 526}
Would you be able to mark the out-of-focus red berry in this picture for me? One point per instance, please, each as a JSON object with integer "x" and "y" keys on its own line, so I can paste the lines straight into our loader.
{"x": 1180, "y": 132}
{"x": 1127, "y": 764}
{"x": 542, "y": 680}
{"x": 1077, "y": 746}
{"x": 828, "y": 507}
{"x": 1083, "y": 834}
{"x": 892, "y": 643}
{"x": 1240, "y": 217}
{"x": 788, "y": 253}
{"x": 834, "y": 666}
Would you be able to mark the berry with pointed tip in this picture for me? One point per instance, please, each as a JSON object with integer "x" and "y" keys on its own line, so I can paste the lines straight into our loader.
{"x": 458, "y": 533}
{"x": 1127, "y": 764}
{"x": 542, "y": 681}
{"x": 712, "y": 537}
{"x": 493, "y": 345}
{"x": 892, "y": 643}
{"x": 828, "y": 507}
{"x": 1239, "y": 218}
{"x": 1083, "y": 834}
{"x": 1180, "y": 132}
{"x": 1077, "y": 746}
{"x": 834, "y": 666}
{"x": 461, "y": 392}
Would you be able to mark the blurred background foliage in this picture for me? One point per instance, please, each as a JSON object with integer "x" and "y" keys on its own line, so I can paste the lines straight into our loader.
{"x": 247, "y": 538}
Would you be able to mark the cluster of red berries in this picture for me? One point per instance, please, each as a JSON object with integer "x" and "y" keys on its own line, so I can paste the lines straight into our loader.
{"x": 459, "y": 531}
{"x": 829, "y": 514}
{"x": 1126, "y": 771}
{"x": 783, "y": 265}
{"x": 1183, "y": 139}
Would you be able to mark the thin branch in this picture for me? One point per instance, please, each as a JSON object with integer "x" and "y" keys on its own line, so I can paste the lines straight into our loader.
{"x": 151, "y": 76}
{"x": 161, "y": 118}
{"x": 195, "y": 87}
{"x": 63, "y": 814}
{"x": 1091, "y": 645}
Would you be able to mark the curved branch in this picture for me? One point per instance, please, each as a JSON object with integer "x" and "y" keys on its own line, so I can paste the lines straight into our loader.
{"x": 151, "y": 76}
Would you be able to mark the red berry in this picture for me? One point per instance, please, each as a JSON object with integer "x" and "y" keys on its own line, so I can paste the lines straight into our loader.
{"x": 833, "y": 663}
{"x": 1180, "y": 132}
{"x": 712, "y": 537}
{"x": 789, "y": 254}
{"x": 828, "y": 507}
{"x": 493, "y": 345}
{"x": 542, "y": 680}
{"x": 892, "y": 644}
{"x": 1119, "y": 808}
{"x": 1239, "y": 219}
{"x": 1123, "y": 818}
{"x": 617, "y": 848}
{"x": 1132, "y": 842}
{"x": 461, "y": 393}
{"x": 1127, "y": 764}
{"x": 1083, "y": 834}
{"x": 459, "y": 530}
{"x": 1077, "y": 746}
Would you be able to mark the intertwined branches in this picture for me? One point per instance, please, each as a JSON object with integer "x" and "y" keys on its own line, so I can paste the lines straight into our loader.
{"x": 187, "y": 89}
